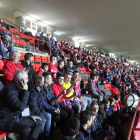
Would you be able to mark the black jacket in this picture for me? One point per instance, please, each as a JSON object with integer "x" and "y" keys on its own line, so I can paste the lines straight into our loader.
{"x": 29, "y": 67}
{"x": 13, "y": 101}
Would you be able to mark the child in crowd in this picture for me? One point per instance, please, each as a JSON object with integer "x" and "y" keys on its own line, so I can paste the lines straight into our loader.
{"x": 44, "y": 68}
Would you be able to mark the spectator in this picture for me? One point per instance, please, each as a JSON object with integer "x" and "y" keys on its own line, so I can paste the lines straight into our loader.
{"x": 47, "y": 45}
{"x": 13, "y": 101}
{"x": 60, "y": 94}
{"x": 86, "y": 119}
{"x": 38, "y": 103}
{"x": 60, "y": 67}
{"x": 52, "y": 39}
{"x": 4, "y": 50}
{"x": 56, "y": 111}
{"x": 67, "y": 131}
{"x": 92, "y": 89}
{"x": 4, "y": 24}
{"x": 52, "y": 66}
{"x": 70, "y": 95}
{"x": 27, "y": 66}
{"x": 53, "y": 48}
{"x": 82, "y": 98}
{"x": 10, "y": 66}
{"x": 44, "y": 68}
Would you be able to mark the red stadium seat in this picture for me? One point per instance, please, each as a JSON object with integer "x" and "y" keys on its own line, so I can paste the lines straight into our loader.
{"x": 37, "y": 66}
{"x": 37, "y": 58}
{"x": 1, "y": 64}
{"x": 48, "y": 59}
{"x": 43, "y": 59}
{"x": 22, "y": 55}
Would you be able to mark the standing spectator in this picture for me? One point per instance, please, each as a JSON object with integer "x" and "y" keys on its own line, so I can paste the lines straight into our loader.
{"x": 47, "y": 45}
{"x": 27, "y": 66}
{"x": 13, "y": 101}
{"x": 44, "y": 68}
{"x": 52, "y": 65}
{"x": 10, "y": 66}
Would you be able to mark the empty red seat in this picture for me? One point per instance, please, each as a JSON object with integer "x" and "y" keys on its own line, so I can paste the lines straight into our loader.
{"x": 43, "y": 59}
{"x": 37, "y": 66}
{"x": 22, "y": 55}
{"x": 37, "y": 58}
{"x": 48, "y": 59}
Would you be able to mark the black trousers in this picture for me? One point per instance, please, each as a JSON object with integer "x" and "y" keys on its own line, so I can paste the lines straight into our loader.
{"x": 57, "y": 117}
{"x": 27, "y": 129}
{"x": 68, "y": 110}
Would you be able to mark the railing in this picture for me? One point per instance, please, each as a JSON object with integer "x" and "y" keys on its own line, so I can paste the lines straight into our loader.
{"x": 137, "y": 111}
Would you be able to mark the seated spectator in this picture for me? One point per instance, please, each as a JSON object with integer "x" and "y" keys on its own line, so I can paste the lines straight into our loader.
{"x": 13, "y": 101}
{"x": 56, "y": 111}
{"x": 38, "y": 103}
{"x": 24, "y": 30}
{"x": 4, "y": 50}
{"x": 28, "y": 67}
{"x": 60, "y": 94}
{"x": 108, "y": 76}
{"x": 52, "y": 39}
{"x": 82, "y": 97}
{"x": 86, "y": 119}
{"x": 72, "y": 102}
{"x": 92, "y": 89}
{"x": 52, "y": 65}
{"x": 70, "y": 68}
{"x": 60, "y": 67}
{"x": 53, "y": 48}
{"x": 67, "y": 131}
{"x": 10, "y": 66}
{"x": 4, "y": 24}
{"x": 44, "y": 68}
{"x": 47, "y": 45}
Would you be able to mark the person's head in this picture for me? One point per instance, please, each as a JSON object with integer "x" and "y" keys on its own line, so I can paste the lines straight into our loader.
{"x": 48, "y": 35}
{"x": 53, "y": 42}
{"x": 38, "y": 80}
{"x": 87, "y": 117}
{"x": 70, "y": 63}
{"x": 71, "y": 127}
{"x": 67, "y": 77}
{"x": 1, "y": 20}
{"x": 93, "y": 76}
{"x": 112, "y": 101}
{"x": 53, "y": 59}
{"x": 75, "y": 75}
{"x": 47, "y": 78}
{"x": 29, "y": 57}
{"x": 20, "y": 74}
{"x": 117, "y": 97}
{"x": 106, "y": 103}
{"x": 94, "y": 106}
{"x": 45, "y": 66}
{"x": 15, "y": 57}
{"x": 59, "y": 78}
{"x": 75, "y": 54}
{"x": 61, "y": 63}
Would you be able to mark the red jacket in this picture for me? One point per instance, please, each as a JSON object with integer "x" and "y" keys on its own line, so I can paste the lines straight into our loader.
{"x": 117, "y": 108}
{"x": 52, "y": 68}
{"x": 9, "y": 69}
{"x": 40, "y": 71}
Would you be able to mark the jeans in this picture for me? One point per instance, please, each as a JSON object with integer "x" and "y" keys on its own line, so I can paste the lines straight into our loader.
{"x": 46, "y": 124}
{"x": 27, "y": 129}
{"x": 88, "y": 101}
{"x": 10, "y": 50}
{"x": 83, "y": 104}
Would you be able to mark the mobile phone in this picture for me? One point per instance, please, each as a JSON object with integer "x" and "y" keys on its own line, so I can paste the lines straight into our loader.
{"x": 21, "y": 81}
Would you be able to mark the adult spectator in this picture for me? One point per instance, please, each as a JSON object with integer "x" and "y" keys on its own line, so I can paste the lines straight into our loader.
{"x": 52, "y": 65}
{"x": 92, "y": 89}
{"x": 13, "y": 101}
{"x": 38, "y": 102}
{"x": 53, "y": 48}
{"x": 26, "y": 63}
{"x": 4, "y": 24}
{"x": 83, "y": 98}
{"x": 86, "y": 119}
{"x": 67, "y": 131}
{"x": 47, "y": 45}
{"x": 10, "y": 66}
{"x": 56, "y": 111}
{"x": 4, "y": 50}
{"x": 71, "y": 95}
{"x": 60, "y": 67}
{"x": 44, "y": 68}
{"x": 60, "y": 94}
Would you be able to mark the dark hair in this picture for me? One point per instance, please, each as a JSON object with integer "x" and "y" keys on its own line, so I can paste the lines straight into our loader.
{"x": 71, "y": 126}
{"x": 59, "y": 75}
{"x": 76, "y": 71}
{"x": 117, "y": 96}
{"x": 106, "y": 101}
{"x": 37, "y": 80}
{"x": 111, "y": 99}
{"x": 27, "y": 56}
{"x": 94, "y": 103}
{"x": 46, "y": 75}
{"x": 44, "y": 65}
{"x": 52, "y": 57}
{"x": 69, "y": 60}
{"x": 60, "y": 61}
{"x": 85, "y": 116}
{"x": 92, "y": 76}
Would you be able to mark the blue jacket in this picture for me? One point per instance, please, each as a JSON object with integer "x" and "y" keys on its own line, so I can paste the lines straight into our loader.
{"x": 84, "y": 134}
{"x": 37, "y": 101}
